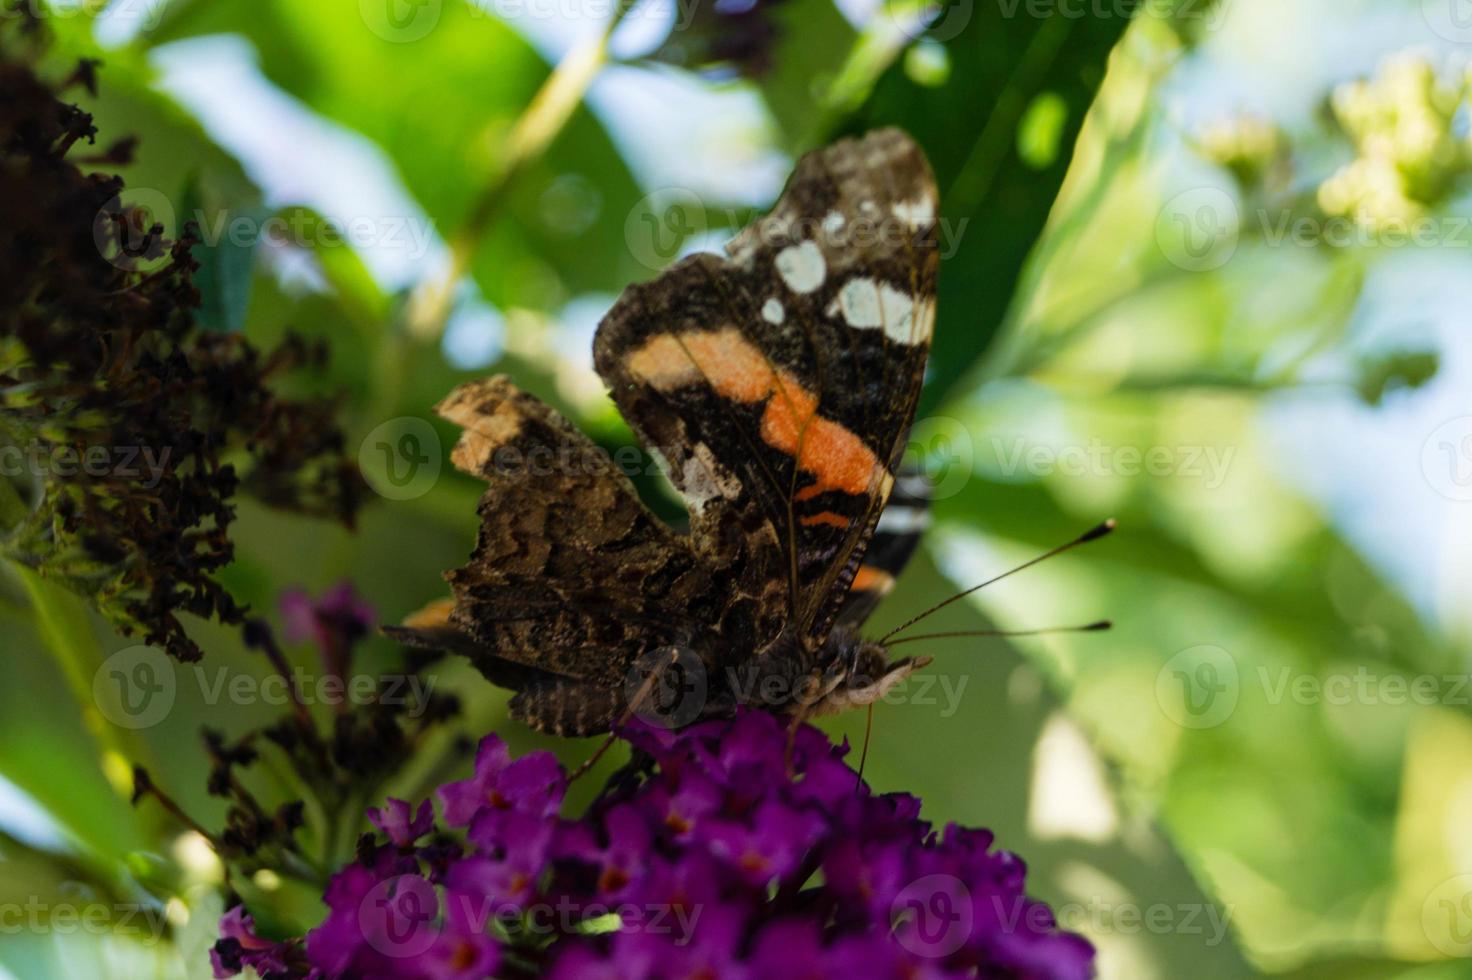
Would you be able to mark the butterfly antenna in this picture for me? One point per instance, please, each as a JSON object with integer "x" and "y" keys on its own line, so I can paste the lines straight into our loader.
{"x": 1101, "y": 625}
{"x": 1093, "y": 534}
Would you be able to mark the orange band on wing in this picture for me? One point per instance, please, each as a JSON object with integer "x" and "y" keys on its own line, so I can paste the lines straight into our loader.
{"x": 826, "y": 517}
{"x": 835, "y": 456}
{"x": 871, "y": 579}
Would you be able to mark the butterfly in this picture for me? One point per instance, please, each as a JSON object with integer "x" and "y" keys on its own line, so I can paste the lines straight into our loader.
{"x": 775, "y": 385}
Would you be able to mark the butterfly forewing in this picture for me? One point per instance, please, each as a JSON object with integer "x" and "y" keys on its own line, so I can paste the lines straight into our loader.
{"x": 777, "y": 383}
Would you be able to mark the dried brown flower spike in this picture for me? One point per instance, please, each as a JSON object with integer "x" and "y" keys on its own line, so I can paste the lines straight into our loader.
{"x": 116, "y": 411}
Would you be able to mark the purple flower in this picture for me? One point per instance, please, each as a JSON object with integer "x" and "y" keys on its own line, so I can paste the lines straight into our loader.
{"x": 335, "y": 622}
{"x": 533, "y": 784}
{"x": 400, "y": 824}
{"x": 712, "y": 860}
{"x": 239, "y": 947}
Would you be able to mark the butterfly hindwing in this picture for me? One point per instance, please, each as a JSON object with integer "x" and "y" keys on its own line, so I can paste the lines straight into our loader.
{"x": 777, "y": 383}
{"x": 571, "y": 575}
{"x": 895, "y": 539}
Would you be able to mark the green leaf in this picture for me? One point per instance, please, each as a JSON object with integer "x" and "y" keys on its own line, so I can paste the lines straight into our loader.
{"x": 996, "y": 192}
{"x": 54, "y": 742}
{"x": 439, "y": 95}
{"x": 226, "y": 255}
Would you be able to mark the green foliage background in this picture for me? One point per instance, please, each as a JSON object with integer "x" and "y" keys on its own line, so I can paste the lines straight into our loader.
{"x": 1074, "y": 311}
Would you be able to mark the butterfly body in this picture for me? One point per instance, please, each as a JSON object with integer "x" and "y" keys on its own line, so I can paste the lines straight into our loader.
{"x": 776, "y": 386}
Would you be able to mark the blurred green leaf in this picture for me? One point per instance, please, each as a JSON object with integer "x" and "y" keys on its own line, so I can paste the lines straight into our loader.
{"x": 439, "y": 93}
{"x": 226, "y": 255}
{"x": 995, "y": 200}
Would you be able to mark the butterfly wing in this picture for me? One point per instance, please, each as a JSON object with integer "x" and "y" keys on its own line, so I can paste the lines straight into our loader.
{"x": 896, "y": 537}
{"x": 571, "y": 579}
{"x": 777, "y": 382}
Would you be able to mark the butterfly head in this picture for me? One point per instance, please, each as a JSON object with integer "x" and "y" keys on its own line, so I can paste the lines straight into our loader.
{"x": 858, "y": 672}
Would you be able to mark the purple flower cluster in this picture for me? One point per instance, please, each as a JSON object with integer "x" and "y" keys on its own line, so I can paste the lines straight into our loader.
{"x": 719, "y": 852}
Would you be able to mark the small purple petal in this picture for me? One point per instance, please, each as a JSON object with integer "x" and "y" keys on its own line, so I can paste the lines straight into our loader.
{"x": 400, "y": 824}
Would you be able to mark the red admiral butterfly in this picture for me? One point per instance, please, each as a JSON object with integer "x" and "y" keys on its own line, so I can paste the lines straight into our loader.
{"x": 776, "y": 384}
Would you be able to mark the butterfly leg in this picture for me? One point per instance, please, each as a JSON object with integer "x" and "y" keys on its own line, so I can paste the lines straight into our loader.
{"x": 642, "y": 697}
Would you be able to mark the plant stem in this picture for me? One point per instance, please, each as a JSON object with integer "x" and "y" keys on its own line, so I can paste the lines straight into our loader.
{"x": 539, "y": 124}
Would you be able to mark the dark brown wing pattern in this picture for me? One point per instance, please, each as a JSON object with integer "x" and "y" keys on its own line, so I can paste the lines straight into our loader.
{"x": 778, "y": 382}
{"x": 572, "y": 577}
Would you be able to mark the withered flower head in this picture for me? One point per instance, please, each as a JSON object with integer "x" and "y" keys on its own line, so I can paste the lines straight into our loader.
{"x": 121, "y": 423}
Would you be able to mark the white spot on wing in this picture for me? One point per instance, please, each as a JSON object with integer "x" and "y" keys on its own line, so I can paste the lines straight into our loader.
{"x": 903, "y": 520}
{"x": 868, "y": 305}
{"x": 859, "y": 302}
{"x": 917, "y": 213}
{"x": 833, "y": 222}
{"x": 772, "y": 311}
{"x": 802, "y": 267}
{"x": 704, "y": 479}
